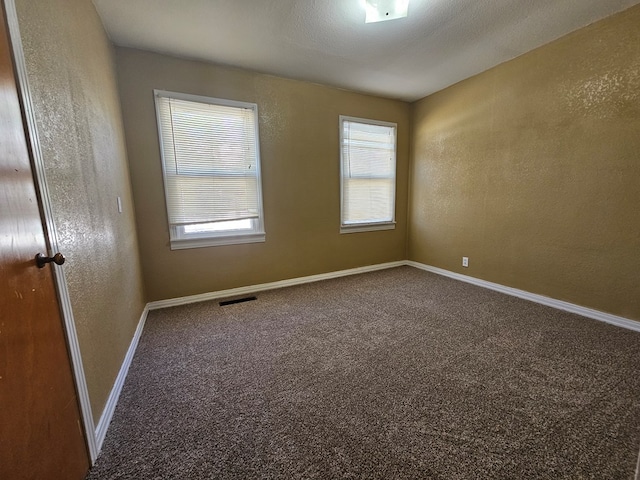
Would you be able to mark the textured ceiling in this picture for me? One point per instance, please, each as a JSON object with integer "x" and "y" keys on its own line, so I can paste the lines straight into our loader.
{"x": 326, "y": 41}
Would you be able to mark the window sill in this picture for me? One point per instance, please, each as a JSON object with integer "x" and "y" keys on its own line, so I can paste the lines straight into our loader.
{"x": 184, "y": 243}
{"x": 364, "y": 227}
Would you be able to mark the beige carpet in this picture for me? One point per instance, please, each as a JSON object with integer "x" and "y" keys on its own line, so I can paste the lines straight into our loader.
{"x": 388, "y": 375}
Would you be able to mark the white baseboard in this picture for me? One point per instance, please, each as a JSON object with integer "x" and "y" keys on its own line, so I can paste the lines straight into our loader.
{"x": 107, "y": 414}
{"x": 172, "y": 302}
{"x": 533, "y": 297}
{"x": 112, "y": 401}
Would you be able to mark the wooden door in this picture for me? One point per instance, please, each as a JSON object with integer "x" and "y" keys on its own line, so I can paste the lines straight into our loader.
{"x": 41, "y": 434}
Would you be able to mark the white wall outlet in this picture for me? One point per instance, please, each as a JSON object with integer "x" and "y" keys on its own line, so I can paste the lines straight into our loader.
{"x": 119, "y": 205}
{"x": 465, "y": 261}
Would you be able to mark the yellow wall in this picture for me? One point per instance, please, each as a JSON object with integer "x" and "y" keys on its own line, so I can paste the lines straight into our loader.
{"x": 532, "y": 169}
{"x": 299, "y": 142}
{"x": 72, "y": 77}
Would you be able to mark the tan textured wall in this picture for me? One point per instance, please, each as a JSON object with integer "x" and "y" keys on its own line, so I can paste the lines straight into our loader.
{"x": 72, "y": 77}
{"x": 299, "y": 141}
{"x": 532, "y": 169}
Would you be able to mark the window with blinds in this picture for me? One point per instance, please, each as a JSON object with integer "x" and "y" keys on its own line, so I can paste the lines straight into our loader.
{"x": 211, "y": 165}
{"x": 368, "y": 174}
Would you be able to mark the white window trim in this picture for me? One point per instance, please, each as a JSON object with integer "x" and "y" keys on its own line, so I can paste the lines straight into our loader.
{"x": 195, "y": 241}
{"x": 178, "y": 240}
{"x": 366, "y": 227}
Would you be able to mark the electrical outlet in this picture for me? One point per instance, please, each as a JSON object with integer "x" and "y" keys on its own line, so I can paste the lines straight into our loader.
{"x": 465, "y": 261}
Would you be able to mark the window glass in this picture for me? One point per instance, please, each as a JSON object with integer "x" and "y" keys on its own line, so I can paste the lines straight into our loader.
{"x": 211, "y": 166}
{"x": 368, "y": 174}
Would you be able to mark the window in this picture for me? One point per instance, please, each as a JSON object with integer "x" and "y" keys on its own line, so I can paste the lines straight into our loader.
{"x": 367, "y": 174}
{"x": 211, "y": 166}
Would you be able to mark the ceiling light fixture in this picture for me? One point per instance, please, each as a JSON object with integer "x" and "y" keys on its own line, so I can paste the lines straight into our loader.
{"x": 381, "y": 10}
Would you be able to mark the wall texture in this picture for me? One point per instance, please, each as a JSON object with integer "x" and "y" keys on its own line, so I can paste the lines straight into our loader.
{"x": 299, "y": 141}
{"x": 532, "y": 169}
{"x": 72, "y": 77}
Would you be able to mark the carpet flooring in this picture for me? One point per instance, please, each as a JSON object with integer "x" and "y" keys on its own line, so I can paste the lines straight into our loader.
{"x": 394, "y": 374}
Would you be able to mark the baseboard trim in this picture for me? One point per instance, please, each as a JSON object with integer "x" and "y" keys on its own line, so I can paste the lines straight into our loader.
{"x": 533, "y": 297}
{"x": 172, "y": 302}
{"x": 112, "y": 401}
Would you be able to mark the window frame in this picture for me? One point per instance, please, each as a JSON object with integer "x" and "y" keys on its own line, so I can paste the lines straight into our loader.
{"x": 367, "y": 226}
{"x": 178, "y": 237}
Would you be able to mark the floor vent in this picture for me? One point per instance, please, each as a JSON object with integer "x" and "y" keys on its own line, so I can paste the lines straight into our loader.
{"x": 237, "y": 300}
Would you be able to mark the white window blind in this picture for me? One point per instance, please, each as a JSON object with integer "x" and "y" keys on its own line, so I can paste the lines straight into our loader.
{"x": 368, "y": 166}
{"x": 210, "y": 163}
